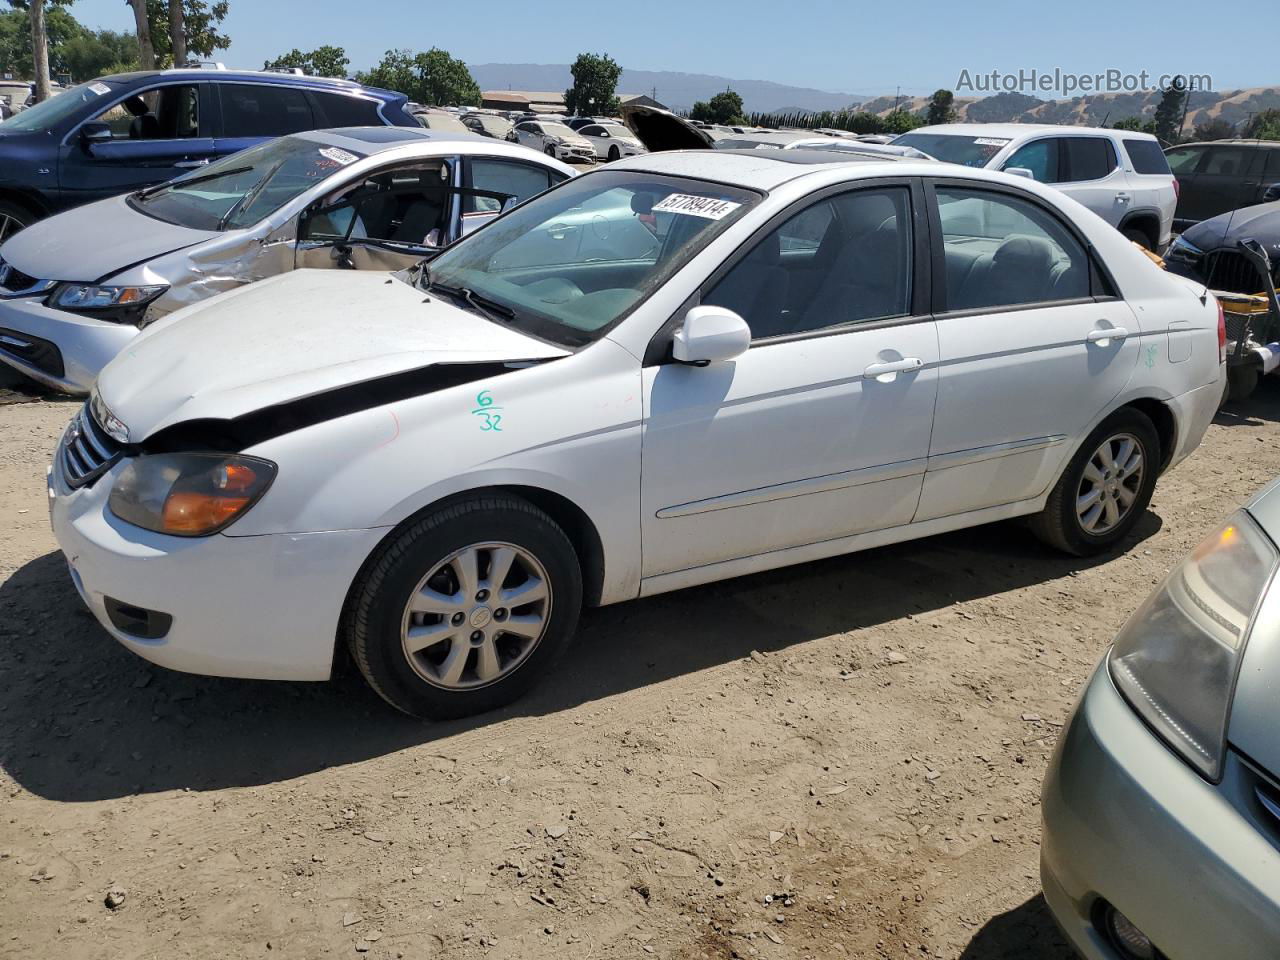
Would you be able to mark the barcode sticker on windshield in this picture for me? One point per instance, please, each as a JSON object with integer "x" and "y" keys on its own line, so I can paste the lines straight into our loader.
{"x": 338, "y": 156}
{"x": 990, "y": 142}
{"x": 99, "y": 88}
{"x": 710, "y": 208}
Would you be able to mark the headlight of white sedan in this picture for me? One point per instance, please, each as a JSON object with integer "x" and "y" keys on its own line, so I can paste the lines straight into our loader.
{"x": 1176, "y": 659}
{"x": 189, "y": 494}
{"x": 119, "y": 303}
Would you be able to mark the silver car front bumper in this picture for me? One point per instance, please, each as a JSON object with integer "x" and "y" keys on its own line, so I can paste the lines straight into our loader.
{"x": 83, "y": 345}
{"x": 1195, "y": 866}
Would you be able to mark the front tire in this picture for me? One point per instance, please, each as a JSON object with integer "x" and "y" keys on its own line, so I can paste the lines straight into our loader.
{"x": 1105, "y": 488}
{"x": 13, "y": 218}
{"x": 613, "y": 154}
{"x": 466, "y": 608}
{"x": 550, "y": 151}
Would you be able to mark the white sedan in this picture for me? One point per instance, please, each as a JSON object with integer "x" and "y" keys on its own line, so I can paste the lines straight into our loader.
{"x": 554, "y": 139}
{"x": 612, "y": 141}
{"x": 672, "y": 370}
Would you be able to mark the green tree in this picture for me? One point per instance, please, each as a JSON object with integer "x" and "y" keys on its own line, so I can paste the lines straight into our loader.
{"x": 96, "y": 53}
{"x": 900, "y": 121}
{"x": 201, "y": 25}
{"x": 1264, "y": 125}
{"x": 863, "y": 122}
{"x": 724, "y": 108}
{"x": 1215, "y": 129}
{"x": 942, "y": 107}
{"x": 1170, "y": 109}
{"x": 1137, "y": 124}
{"x": 595, "y": 84}
{"x": 433, "y": 78}
{"x": 326, "y": 61}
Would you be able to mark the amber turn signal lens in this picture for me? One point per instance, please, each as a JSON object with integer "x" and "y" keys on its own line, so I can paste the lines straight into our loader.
{"x": 199, "y": 512}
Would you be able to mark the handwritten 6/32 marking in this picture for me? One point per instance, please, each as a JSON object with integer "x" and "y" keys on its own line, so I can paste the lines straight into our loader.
{"x": 485, "y": 408}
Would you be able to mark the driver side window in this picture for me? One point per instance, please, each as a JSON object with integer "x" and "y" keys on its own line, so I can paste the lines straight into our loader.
{"x": 164, "y": 113}
{"x": 409, "y": 206}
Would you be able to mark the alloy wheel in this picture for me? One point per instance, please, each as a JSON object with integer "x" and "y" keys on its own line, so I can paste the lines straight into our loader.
{"x": 9, "y": 225}
{"x": 476, "y": 616}
{"x": 1110, "y": 484}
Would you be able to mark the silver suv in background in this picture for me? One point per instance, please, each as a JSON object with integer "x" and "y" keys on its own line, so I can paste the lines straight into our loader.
{"x": 1120, "y": 175}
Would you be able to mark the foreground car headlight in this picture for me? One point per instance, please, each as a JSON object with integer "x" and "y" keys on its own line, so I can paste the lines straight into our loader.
{"x": 1176, "y": 659}
{"x": 112, "y": 302}
{"x": 1184, "y": 251}
{"x": 189, "y": 494}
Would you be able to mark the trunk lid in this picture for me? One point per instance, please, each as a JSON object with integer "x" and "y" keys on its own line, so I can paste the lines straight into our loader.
{"x": 662, "y": 130}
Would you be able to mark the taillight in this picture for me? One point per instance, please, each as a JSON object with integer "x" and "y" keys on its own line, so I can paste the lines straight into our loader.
{"x": 1222, "y": 332}
{"x": 1177, "y": 189}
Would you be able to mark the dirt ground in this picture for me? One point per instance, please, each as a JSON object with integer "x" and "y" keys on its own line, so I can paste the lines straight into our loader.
{"x": 835, "y": 760}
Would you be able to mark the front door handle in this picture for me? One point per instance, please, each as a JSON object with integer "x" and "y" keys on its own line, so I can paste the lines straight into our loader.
{"x": 191, "y": 164}
{"x": 1104, "y": 335}
{"x": 892, "y": 367}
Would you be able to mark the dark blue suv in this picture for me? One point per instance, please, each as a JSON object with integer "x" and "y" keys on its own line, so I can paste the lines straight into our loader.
{"x": 127, "y": 131}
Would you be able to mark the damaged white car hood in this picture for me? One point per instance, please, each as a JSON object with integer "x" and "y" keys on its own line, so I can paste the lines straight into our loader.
{"x": 291, "y": 337}
{"x": 95, "y": 241}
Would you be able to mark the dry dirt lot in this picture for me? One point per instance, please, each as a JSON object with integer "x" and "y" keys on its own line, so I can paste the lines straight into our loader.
{"x": 859, "y": 741}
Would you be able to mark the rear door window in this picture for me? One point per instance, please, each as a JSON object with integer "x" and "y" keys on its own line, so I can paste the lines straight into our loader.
{"x": 1227, "y": 161}
{"x": 512, "y": 179}
{"x": 262, "y": 110}
{"x": 1146, "y": 156}
{"x": 1086, "y": 158}
{"x": 338, "y": 110}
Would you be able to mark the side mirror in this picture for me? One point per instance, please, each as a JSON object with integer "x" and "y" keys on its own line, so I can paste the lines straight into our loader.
{"x": 710, "y": 334}
{"x": 1020, "y": 172}
{"x": 95, "y": 132}
{"x": 1272, "y": 193}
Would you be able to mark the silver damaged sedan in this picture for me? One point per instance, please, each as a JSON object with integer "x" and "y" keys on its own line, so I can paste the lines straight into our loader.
{"x": 1162, "y": 803}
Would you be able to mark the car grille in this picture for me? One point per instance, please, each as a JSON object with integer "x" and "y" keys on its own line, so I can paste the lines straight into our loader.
{"x": 14, "y": 281}
{"x": 1228, "y": 270}
{"x": 86, "y": 450}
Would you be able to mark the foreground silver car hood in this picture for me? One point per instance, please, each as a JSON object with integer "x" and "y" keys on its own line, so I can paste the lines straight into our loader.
{"x": 95, "y": 241}
{"x": 294, "y": 336}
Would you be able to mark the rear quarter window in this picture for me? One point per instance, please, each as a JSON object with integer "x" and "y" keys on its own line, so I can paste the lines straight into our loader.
{"x": 1146, "y": 157}
{"x": 339, "y": 110}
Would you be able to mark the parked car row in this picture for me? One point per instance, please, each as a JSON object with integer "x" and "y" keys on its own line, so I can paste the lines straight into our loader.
{"x": 721, "y": 356}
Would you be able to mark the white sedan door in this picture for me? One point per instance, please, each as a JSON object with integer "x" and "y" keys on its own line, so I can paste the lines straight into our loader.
{"x": 1033, "y": 348}
{"x": 819, "y": 431}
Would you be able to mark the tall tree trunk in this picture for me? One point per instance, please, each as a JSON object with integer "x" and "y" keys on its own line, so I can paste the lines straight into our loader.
{"x": 177, "y": 33}
{"x": 40, "y": 50}
{"x": 146, "y": 52}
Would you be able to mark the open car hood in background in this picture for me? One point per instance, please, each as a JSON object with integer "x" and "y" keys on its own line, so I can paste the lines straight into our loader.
{"x": 662, "y": 130}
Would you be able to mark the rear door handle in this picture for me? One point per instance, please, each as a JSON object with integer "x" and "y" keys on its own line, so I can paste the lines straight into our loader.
{"x": 905, "y": 365}
{"x": 1104, "y": 334}
{"x": 190, "y": 164}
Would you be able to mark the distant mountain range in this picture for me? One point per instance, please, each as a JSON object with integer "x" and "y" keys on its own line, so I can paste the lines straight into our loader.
{"x": 676, "y": 90}
{"x": 679, "y": 91}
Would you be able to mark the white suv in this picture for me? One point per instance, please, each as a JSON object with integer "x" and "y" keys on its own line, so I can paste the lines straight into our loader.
{"x": 1120, "y": 175}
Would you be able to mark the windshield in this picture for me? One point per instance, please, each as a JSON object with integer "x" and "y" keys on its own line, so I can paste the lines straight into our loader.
{"x": 557, "y": 130}
{"x": 615, "y": 130}
{"x": 49, "y": 113}
{"x": 953, "y": 148}
{"x": 240, "y": 189}
{"x": 569, "y": 264}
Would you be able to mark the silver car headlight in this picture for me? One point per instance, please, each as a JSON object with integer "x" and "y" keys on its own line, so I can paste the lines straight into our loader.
{"x": 1176, "y": 659}
{"x": 121, "y": 303}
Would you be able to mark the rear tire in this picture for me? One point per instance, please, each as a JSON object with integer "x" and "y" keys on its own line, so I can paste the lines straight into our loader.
{"x": 506, "y": 588}
{"x": 1242, "y": 381}
{"x": 1103, "y": 491}
{"x": 1140, "y": 238}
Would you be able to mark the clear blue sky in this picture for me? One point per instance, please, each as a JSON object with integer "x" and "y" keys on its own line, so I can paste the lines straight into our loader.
{"x": 849, "y": 47}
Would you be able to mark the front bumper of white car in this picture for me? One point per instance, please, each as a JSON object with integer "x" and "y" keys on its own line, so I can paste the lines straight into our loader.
{"x": 572, "y": 151}
{"x": 62, "y": 350}
{"x": 264, "y": 607}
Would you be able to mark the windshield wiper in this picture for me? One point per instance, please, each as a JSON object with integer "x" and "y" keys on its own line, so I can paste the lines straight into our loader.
{"x": 249, "y": 195}
{"x": 192, "y": 181}
{"x": 491, "y": 309}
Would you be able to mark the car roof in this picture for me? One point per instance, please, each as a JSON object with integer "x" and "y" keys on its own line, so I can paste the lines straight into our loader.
{"x": 1013, "y": 131}
{"x": 1234, "y": 141}
{"x": 335, "y": 84}
{"x": 370, "y": 140}
{"x": 756, "y": 169}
